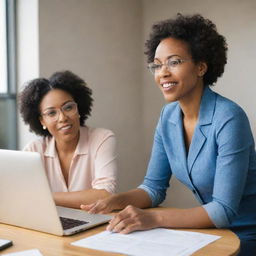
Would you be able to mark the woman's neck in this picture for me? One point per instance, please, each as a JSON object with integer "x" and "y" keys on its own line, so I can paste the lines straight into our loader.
{"x": 190, "y": 106}
{"x": 67, "y": 147}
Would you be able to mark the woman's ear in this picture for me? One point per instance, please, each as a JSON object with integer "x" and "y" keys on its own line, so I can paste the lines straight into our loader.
{"x": 202, "y": 69}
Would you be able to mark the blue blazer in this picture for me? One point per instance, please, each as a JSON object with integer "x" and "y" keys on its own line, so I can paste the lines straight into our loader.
{"x": 220, "y": 167}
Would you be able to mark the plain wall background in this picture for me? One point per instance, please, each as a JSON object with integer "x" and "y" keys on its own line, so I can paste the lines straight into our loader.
{"x": 103, "y": 42}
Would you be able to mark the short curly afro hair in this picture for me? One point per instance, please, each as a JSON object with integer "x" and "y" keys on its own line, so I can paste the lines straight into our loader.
{"x": 34, "y": 91}
{"x": 200, "y": 34}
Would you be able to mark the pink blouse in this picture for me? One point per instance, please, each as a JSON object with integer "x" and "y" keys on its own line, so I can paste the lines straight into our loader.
{"x": 93, "y": 164}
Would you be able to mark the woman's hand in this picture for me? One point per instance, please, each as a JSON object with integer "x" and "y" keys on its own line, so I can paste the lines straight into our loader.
{"x": 131, "y": 219}
{"x": 136, "y": 197}
{"x": 104, "y": 206}
{"x": 75, "y": 198}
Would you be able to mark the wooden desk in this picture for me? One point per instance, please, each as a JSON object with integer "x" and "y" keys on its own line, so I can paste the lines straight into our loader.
{"x": 50, "y": 245}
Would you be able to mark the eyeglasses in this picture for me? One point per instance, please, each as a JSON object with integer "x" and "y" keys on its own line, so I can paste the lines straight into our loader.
{"x": 171, "y": 64}
{"x": 52, "y": 115}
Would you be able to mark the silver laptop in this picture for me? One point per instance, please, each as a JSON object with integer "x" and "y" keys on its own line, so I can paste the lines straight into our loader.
{"x": 26, "y": 199}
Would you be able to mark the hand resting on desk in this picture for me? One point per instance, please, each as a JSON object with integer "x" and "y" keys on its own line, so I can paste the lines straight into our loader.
{"x": 131, "y": 218}
{"x": 128, "y": 220}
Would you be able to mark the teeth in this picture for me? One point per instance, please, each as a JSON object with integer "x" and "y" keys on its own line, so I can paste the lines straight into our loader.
{"x": 66, "y": 127}
{"x": 166, "y": 85}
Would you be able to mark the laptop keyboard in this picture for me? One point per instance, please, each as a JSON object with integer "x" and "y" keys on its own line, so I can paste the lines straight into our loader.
{"x": 68, "y": 223}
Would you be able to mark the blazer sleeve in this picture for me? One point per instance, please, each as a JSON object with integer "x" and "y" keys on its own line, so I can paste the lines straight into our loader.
{"x": 159, "y": 173}
{"x": 234, "y": 141}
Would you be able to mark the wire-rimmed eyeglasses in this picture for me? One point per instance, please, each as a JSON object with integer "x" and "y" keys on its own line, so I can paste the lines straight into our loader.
{"x": 171, "y": 64}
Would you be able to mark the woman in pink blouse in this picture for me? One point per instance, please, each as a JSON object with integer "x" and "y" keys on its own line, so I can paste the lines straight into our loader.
{"x": 80, "y": 162}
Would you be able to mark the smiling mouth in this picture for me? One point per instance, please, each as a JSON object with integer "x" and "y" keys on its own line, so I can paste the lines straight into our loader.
{"x": 169, "y": 85}
{"x": 66, "y": 127}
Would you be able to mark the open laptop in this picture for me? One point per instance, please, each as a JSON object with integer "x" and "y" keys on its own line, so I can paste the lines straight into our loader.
{"x": 26, "y": 199}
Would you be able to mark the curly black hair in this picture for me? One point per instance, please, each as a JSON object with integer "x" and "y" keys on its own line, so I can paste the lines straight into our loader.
{"x": 34, "y": 91}
{"x": 200, "y": 34}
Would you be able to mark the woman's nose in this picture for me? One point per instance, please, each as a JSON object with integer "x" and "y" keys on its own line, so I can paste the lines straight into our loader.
{"x": 62, "y": 116}
{"x": 164, "y": 71}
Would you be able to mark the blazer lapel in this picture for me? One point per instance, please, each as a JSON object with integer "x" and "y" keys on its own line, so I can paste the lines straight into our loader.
{"x": 195, "y": 147}
{"x": 179, "y": 143}
{"x": 206, "y": 112}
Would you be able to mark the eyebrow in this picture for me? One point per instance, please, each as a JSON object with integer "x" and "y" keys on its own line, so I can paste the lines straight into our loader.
{"x": 49, "y": 108}
{"x": 170, "y": 56}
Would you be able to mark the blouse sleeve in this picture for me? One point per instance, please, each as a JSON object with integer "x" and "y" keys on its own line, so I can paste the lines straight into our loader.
{"x": 36, "y": 146}
{"x": 30, "y": 147}
{"x": 105, "y": 165}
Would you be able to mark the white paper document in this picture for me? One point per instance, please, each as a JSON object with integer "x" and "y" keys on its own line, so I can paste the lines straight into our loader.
{"x": 33, "y": 252}
{"x": 159, "y": 241}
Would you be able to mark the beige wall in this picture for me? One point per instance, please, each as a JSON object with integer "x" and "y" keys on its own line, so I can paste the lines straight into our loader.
{"x": 103, "y": 42}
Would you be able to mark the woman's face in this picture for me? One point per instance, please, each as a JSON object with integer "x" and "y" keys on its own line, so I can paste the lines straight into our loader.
{"x": 183, "y": 78}
{"x": 60, "y": 115}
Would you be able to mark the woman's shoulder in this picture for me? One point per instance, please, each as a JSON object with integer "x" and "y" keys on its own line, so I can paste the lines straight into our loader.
{"x": 226, "y": 108}
{"x": 37, "y": 145}
{"x": 170, "y": 106}
{"x": 94, "y": 138}
{"x": 228, "y": 116}
{"x": 97, "y": 134}
{"x": 170, "y": 111}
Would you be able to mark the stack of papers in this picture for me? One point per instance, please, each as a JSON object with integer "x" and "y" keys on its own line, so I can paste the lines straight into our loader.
{"x": 159, "y": 241}
{"x": 33, "y": 252}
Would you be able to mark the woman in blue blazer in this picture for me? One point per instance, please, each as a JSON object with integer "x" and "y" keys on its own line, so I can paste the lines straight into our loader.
{"x": 202, "y": 138}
